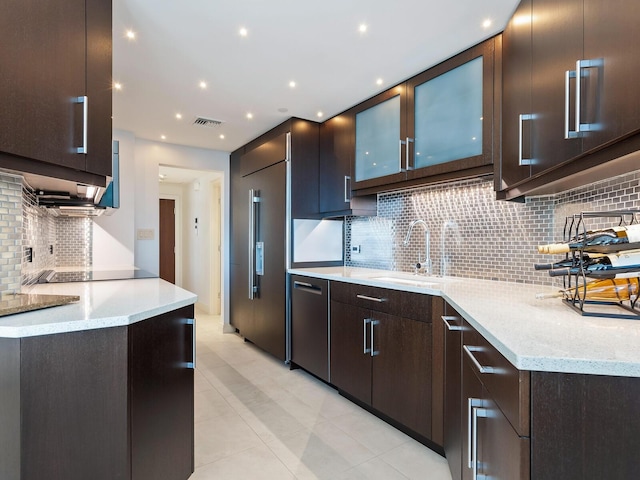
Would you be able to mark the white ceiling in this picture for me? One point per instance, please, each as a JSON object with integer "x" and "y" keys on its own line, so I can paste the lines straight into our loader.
{"x": 317, "y": 44}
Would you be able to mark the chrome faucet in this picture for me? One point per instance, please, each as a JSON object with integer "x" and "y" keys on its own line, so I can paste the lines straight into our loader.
{"x": 427, "y": 245}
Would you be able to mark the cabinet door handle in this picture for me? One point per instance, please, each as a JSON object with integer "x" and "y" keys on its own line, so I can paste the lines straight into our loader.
{"x": 481, "y": 368}
{"x": 307, "y": 287}
{"x": 523, "y": 161}
{"x": 347, "y": 189}
{"x": 192, "y": 322}
{"x": 374, "y": 352}
{"x": 475, "y": 411}
{"x": 372, "y": 299}
{"x": 450, "y": 318}
{"x": 254, "y": 199}
{"x": 401, "y": 142}
{"x": 365, "y": 321}
{"x": 407, "y": 154}
{"x": 581, "y": 65}
{"x": 568, "y": 75}
{"x": 84, "y": 100}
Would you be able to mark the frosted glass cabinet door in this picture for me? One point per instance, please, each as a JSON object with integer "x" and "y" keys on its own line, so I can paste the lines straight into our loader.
{"x": 448, "y": 116}
{"x": 377, "y": 140}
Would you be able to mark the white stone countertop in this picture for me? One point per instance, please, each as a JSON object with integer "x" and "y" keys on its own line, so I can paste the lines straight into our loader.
{"x": 102, "y": 304}
{"x": 537, "y": 335}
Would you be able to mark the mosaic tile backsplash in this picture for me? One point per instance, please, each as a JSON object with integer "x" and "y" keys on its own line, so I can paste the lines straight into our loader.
{"x": 31, "y": 240}
{"x": 473, "y": 235}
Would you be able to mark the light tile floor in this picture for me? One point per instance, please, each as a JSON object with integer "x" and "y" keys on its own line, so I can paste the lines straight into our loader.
{"x": 257, "y": 420}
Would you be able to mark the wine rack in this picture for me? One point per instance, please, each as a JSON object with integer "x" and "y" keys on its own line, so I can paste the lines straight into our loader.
{"x": 576, "y": 226}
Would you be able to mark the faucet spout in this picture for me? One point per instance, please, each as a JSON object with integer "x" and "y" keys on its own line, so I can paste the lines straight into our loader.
{"x": 427, "y": 244}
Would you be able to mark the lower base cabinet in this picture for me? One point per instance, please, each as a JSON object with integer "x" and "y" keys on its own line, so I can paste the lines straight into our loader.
{"x": 381, "y": 358}
{"x": 105, "y": 404}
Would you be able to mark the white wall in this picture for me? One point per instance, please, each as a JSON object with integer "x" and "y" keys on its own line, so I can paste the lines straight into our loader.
{"x": 113, "y": 234}
{"x": 140, "y": 191}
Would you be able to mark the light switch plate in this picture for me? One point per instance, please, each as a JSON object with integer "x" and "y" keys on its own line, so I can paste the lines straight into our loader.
{"x": 145, "y": 234}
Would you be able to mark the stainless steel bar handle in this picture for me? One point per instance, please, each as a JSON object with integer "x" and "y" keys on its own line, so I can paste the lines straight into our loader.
{"x": 581, "y": 65}
{"x": 481, "y": 368}
{"x": 84, "y": 100}
{"x": 347, "y": 189}
{"x": 365, "y": 321}
{"x": 477, "y": 413}
{"x": 307, "y": 287}
{"x": 568, "y": 75}
{"x": 522, "y": 118}
{"x": 374, "y": 352}
{"x": 406, "y": 153}
{"x": 450, "y": 318}
{"x": 192, "y": 322}
{"x": 471, "y": 404}
{"x": 402, "y": 142}
{"x": 372, "y": 299}
{"x": 252, "y": 242}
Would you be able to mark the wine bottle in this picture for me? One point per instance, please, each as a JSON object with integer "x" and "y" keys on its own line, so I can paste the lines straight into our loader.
{"x": 566, "y": 263}
{"x": 624, "y": 237}
{"x": 618, "y": 265}
{"x": 614, "y": 289}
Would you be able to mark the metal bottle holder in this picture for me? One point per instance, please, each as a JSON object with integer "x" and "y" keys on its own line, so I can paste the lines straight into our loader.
{"x": 574, "y": 226}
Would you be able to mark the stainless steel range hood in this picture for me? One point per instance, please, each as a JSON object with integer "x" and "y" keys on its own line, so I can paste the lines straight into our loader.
{"x": 78, "y": 200}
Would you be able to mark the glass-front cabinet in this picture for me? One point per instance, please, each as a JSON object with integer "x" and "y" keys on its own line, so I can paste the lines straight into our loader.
{"x": 436, "y": 126}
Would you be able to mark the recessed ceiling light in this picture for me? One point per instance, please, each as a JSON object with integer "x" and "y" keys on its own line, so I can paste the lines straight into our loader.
{"x": 292, "y": 84}
{"x": 249, "y": 115}
{"x": 362, "y": 28}
{"x": 379, "y": 81}
{"x": 117, "y": 86}
{"x": 221, "y": 137}
{"x": 243, "y": 32}
{"x": 319, "y": 114}
{"x": 179, "y": 116}
{"x": 163, "y": 137}
{"x": 203, "y": 85}
{"x": 130, "y": 34}
{"x": 487, "y": 23}
{"x": 283, "y": 110}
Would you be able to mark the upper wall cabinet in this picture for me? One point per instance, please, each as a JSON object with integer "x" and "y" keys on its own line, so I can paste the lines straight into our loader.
{"x": 569, "y": 103}
{"x": 437, "y": 125}
{"x": 55, "y": 115}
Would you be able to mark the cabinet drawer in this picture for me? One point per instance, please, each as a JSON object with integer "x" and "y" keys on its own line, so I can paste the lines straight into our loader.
{"x": 415, "y": 306}
{"x": 509, "y": 386}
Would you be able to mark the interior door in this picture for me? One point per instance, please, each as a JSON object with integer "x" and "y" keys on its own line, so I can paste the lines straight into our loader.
{"x": 168, "y": 240}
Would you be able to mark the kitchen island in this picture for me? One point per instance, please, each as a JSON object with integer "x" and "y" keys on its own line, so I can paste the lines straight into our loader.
{"x": 102, "y": 388}
{"x": 522, "y": 388}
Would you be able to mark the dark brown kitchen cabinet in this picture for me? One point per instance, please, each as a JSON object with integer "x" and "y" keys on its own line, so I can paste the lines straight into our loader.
{"x": 436, "y": 126}
{"x": 337, "y": 136}
{"x": 381, "y": 352}
{"x": 55, "y": 117}
{"x": 569, "y": 107}
{"x": 310, "y": 325}
{"x": 106, "y": 404}
{"x": 495, "y": 413}
{"x": 452, "y": 441}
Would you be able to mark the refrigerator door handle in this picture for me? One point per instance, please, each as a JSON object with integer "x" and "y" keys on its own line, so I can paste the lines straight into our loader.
{"x": 254, "y": 198}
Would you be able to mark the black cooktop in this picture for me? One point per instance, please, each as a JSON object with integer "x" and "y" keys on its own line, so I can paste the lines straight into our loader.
{"x": 51, "y": 276}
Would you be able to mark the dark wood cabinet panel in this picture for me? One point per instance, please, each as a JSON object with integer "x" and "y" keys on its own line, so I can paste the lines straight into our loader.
{"x": 68, "y": 47}
{"x": 350, "y": 364}
{"x": 584, "y": 427}
{"x": 557, "y": 35}
{"x": 337, "y": 147}
{"x": 402, "y": 368}
{"x": 516, "y": 107}
{"x": 74, "y": 405}
{"x": 310, "y": 325}
{"x": 612, "y": 102}
{"x": 452, "y": 441}
{"x": 10, "y": 434}
{"x": 161, "y": 402}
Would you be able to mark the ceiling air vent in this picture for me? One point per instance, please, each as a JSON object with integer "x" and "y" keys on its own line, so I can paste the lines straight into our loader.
{"x": 207, "y": 122}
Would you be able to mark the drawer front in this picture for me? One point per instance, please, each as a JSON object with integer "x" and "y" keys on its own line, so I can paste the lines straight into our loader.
{"x": 509, "y": 386}
{"x": 415, "y": 306}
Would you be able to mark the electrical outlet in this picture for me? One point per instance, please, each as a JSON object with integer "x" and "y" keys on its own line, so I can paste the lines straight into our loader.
{"x": 50, "y": 249}
{"x": 356, "y": 249}
{"x": 28, "y": 254}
